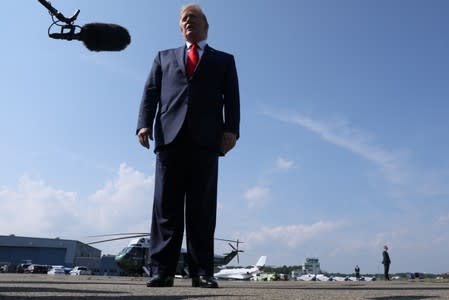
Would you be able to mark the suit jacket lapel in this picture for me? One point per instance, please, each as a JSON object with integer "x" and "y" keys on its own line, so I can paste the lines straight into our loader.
{"x": 180, "y": 58}
{"x": 180, "y": 52}
{"x": 203, "y": 59}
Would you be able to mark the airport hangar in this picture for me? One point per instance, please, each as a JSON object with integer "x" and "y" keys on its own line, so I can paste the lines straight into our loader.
{"x": 69, "y": 253}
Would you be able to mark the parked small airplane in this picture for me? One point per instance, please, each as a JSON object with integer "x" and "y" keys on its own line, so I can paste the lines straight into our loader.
{"x": 307, "y": 277}
{"x": 340, "y": 278}
{"x": 362, "y": 278}
{"x": 135, "y": 258}
{"x": 322, "y": 277}
{"x": 314, "y": 277}
{"x": 242, "y": 273}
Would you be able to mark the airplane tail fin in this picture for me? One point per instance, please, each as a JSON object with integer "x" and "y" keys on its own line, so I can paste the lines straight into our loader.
{"x": 261, "y": 262}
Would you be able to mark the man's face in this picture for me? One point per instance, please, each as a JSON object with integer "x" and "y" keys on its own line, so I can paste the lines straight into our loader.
{"x": 193, "y": 26}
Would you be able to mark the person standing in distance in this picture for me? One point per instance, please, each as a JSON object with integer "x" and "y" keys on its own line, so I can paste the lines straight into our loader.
{"x": 357, "y": 272}
{"x": 191, "y": 99}
{"x": 386, "y": 262}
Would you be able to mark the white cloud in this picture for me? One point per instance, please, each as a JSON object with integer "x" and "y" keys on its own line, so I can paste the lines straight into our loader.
{"x": 35, "y": 208}
{"x": 290, "y": 235}
{"x": 257, "y": 196}
{"x": 284, "y": 164}
{"x": 341, "y": 134}
{"x": 442, "y": 220}
{"x": 366, "y": 243}
{"x": 220, "y": 205}
{"x": 112, "y": 66}
{"x": 129, "y": 195}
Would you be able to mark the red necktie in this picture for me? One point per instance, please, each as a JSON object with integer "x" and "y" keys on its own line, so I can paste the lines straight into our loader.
{"x": 192, "y": 59}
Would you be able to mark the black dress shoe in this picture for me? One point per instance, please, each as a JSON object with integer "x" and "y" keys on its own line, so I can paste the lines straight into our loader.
{"x": 195, "y": 281}
{"x": 160, "y": 281}
{"x": 204, "y": 282}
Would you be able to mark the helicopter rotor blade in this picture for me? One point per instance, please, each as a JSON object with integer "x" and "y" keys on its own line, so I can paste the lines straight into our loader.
{"x": 128, "y": 235}
{"x": 147, "y": 233}
{"x": 236, "y": 249}
{"x": 227, "y": 240}
{"x": 233, "y": 247}
{"x": 116, "y": 234}
{"x": 118, "y": 238}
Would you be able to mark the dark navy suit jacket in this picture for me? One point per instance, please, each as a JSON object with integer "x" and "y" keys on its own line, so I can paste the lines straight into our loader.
{"x": 209, "y": 100}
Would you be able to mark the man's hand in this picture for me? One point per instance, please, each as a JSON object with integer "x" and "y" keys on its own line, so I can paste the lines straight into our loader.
{"x": 229, "y": 140}
{"x": 143, "y": 135}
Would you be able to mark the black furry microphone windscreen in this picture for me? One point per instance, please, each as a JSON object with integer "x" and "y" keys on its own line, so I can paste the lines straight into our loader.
{"x": 105, "y": 37}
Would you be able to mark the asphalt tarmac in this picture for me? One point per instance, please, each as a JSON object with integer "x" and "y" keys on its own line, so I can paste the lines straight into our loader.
{"x": 30, "y": 286}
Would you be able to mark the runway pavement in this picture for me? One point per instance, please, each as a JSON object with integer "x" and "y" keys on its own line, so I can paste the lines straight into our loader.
{"x": 30, "y": 286}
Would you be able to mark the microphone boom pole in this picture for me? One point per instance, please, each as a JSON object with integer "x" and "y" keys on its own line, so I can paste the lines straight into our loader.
{"x": 95, "y": 36}
{"x": 58, "y": 14}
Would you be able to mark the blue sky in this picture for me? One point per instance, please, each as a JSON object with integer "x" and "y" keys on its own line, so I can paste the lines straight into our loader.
{"x": 343, "y": 142}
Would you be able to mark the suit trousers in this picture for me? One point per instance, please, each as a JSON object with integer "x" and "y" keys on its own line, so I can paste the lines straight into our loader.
{"x": 185, "y": 186}
{"x": 386, "y": 271}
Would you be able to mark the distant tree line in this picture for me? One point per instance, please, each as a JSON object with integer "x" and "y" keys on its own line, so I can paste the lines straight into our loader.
{"x": 288, "y": 269}
{"x": 282, "y": 270}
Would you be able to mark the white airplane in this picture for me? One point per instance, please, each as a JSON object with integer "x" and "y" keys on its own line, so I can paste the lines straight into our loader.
{"x": 340, "y": 278}
{"x": 367, "y": 278}
{"x": 307, "y": 277}
{"x": 313, "y": 277}
{"x": 352, "y": 278}
{"x": 322, "y": 277}
{"x": 242, "y": 273}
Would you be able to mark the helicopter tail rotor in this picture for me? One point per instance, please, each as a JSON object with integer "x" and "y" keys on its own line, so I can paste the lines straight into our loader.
{"x": 236, "y": 249}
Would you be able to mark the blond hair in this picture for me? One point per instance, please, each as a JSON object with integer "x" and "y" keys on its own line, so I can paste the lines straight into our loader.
{"x": 194, "y": 7}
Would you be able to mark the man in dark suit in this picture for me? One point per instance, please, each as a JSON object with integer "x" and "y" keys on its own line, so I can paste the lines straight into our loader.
{"x": 386, "y": 262}
{"x": 357, "y": 272}
{"x": 192, "y": 98}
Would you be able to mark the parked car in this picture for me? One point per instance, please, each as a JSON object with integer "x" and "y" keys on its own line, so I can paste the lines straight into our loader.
{"x": 4, "y": 268}
{"x": 37, "y": 269}
{"x": 80, "y": 270}
{"x": 67, "y": 270}
{"x": 56, "y": 270}
{"x": 21, "y": 268}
